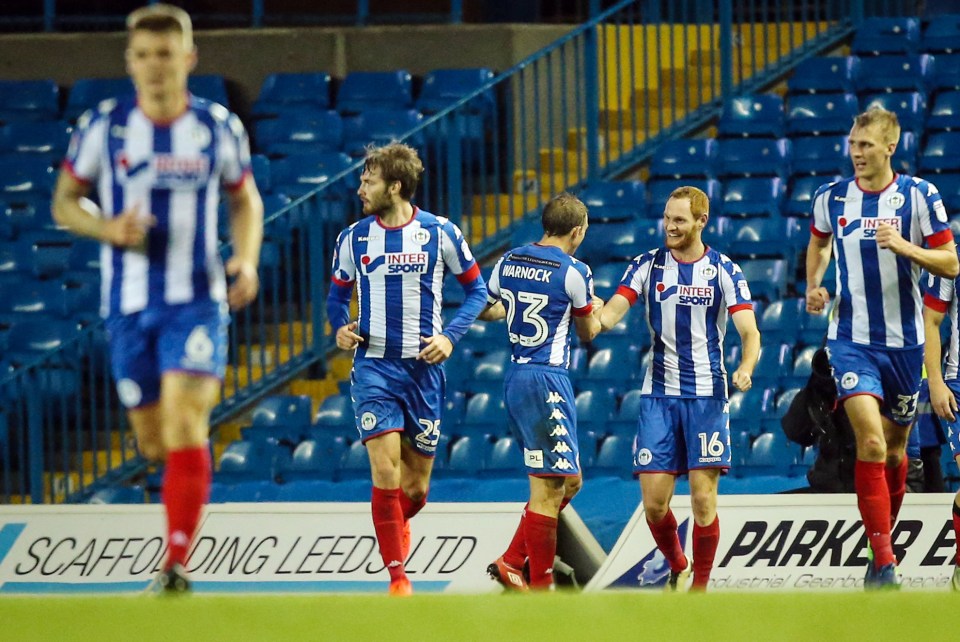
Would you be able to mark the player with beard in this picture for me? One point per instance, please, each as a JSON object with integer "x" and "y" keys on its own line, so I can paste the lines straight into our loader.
{"x": 398, "y": 256}
{"x": 689, "y": 290}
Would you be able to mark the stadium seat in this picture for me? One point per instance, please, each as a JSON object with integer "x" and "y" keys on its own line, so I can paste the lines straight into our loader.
{"x": 505, "y": 459}
{"x": 685, "y": 158}
{"x": 488, "y": 373}
{"x": 45, "y": 139}
{"x": 947, "y": 74}
{"x": 283, "y": 92}
{"x": 757, "y": 196}
{"x": 945, "y": 113}
{"x": 299, "y": 174}
{"x": 904, "y": 159}
{"x": 606, "y": 279}
{"x": 50, "y": 251}
{"x": 29, "y": 339}
{"x": 15, "y": 258}
{"x": 800, "y": 200}
{"x": 748, "y": 408}
{"x": 819, "y": 155}
{"x": 117, "y": 494}
{"x": 615, "y": 458}
{"x": 781, "y": 321}
{"x": 35, "y": 297}
{"x": 282, "y": 419}
{"x": 485, "y": 414}
{"x": 754, "y": 239}
{"x": 775, "y": 362}
{"x": 24, "y": 176}
{"x": 335, "y": 415}
{"x": 895, "y": 73}
{"x": 87, "y": 93}
{"x": 23, "y": 213}
{"x": 752, "y": 115}
{"x": 483, "y": 337}
{"x": 754, "y": 157}
{"x": 802, "y": 368}
{"x": 613, "y": 200}
{"x": 769, "y": 454}
{"x": 354, "y": 464}
{"x": 609, "y": 373}
{"x": 468, "y": 456}
{"x": 942, "y": 34}
{"x": 818, "y": 114}
{"x": 877, "y": 36}
{"x": 910, "y": 107}
{"x": 594, "y": 410}
{"x": 767, "y": 277}
{"x": 301, "y": 131}
{"x": 364, "y": 90}
{"x": 659, "y": 191}
{"x": 813, "y": 327}
{"x": 24, "y": 100}
{"x": 244, "y": 461}
{"x": 314, "y": 459}
{"x": 949, "y": 187}
{"x": 941, "y": 153}
{"x": 611, "y": 241}
{"x": 445, "y": 87}
{"x": 824, "y": 74}
{"x": 209, "y": 86}
{"x": 380, "y": 126}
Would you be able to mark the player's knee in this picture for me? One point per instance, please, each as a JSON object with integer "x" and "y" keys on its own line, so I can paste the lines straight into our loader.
{"x": 655, "y": 510}
{"x": 416, "y": 492}
{"x": 572, "y": 486}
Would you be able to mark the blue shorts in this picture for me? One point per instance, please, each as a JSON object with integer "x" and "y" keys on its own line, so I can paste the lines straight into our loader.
{"x": 543, "y": 419}
{"x": 190, "y": 337}
{"x": 953, "y": 427}
{"x": 678, "y": 434}
{"x": 398, "y": 395}
{"x": 892, "y": 376}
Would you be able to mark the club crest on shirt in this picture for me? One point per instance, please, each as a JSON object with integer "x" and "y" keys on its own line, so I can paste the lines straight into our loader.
{"x": 420, "y": 236}
{"x": 709, "y": 272}
{"x": 849, "y": 380}
{"x": 896, "y": 200}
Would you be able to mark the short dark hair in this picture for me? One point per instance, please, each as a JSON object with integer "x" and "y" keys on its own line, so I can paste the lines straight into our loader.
{"x": 162, "y": 18}
{"x": 562, "y": 213}
{"x": 396, "y": 162}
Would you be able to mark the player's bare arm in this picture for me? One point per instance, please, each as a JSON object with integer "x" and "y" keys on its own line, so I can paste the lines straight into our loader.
{"x": 128, "y": 229}
{"x": 493, "y": 312}
{"x": 942, "y": 399}
{"x": 940, "y": 260}
{"x": 614, "y": 310}
{"x": 818, "y": 258}
{"x": 436, "y": 349}
{"x": 347, "y": 337}
{"x": 746, "y": 323}
{"x": 246, "y": 230}
{"x": 587, "y": 326}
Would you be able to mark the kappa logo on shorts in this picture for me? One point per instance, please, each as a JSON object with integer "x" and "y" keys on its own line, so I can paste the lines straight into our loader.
{"x": 559, "y": 431}
{"x": 368, "y": 421}
{"x": 561, "y": 447}
{"x": 557, "y": 414}
{"x": 533, "y": 458}
{"x": 849, "y": 380}
{"x": 554, "y": 397}
{"x": 644, "y": 457}
{"x": 563, "y": 464}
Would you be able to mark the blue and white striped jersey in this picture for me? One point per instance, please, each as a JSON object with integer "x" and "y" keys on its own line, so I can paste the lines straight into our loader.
{"x": 687, "y": 309}
{"x": 399, "y": 274}
{"x": 541, "y": 286}
{"x": 941, "y": 295}
{"x": 173, "y": 171}
{"x": 878, "y": 291}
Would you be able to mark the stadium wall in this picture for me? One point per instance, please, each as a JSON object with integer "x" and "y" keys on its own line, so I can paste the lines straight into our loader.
{"x": 245, "y": 56}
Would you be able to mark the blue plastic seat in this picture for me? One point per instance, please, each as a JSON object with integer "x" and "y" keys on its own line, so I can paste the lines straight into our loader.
{"x": 244, "y": 461}
{"x": 754, "y": 157}
{"x": 606, "y": 279}
{"x": 379, "y": 127}
{"x": 335, "y": 415}
{"x": 316, "y": 458}
{"x": 35, "y": 297}
{"x": 364, "y": 90}
{"x": 947, "y": 74}
{"x": 209, "y": 86}
{"x": 941, "y": 153}
{"x": 685, "y": 158}
{"x": 615, "y": 458}
{"x": 800, "y": 200}
{"x": 759, "y": 238}
{"x": 945, "y": 113}
{"x": 767, "y": 277}
{"x": 748, "y": 408}
{"x": 87, "y": 93}
{"x": 876, "y": 36}
{"x": 782, "y": 320}
{"x": 802, "y": 368}
{"x": 752, "y": 115}
{"x": 613, "y": 200}
{"x": 895, "y": 73}
{"x": 904, "y": 159}
{"x": 468, "y": 456}
{"x": 282, "y": 92}
{"x": 23, "y": 100}
{"x": 488, "y": 373}
{"x": 942, "y": 34}
{"x": 25, "y": 176}
{"x": 23, "y": 213}
{"x": 284, "y": 418}
{"x": 300, "y": 131}
{"x": 909, "y": 106}
{"x": 445, "y": 87}
{"x": 949, "y": 187}
{"x": 824, "y": 74}
{"x": 28, "y": 339}
{"x": 485, "y": 414}
{"x": 299, "y": 174}
{"x": 505, "y": 459}
{"x": 594, "y": 410}
{"x": 659, "y": 191}
{"x": 819, "y": 114}
{"x": 819, "y": 155}
{"x": 609, "y": 373}
{"x": 15, "y": 258}
{"x": 776, "y": 361}
{"x": 610, "y": 241}
{"x": 770, "y": 454}
{"x": 758, "y": 196}
{"x": 117, "y": 494}
{"x": 354, "y": 463}
{"x": 46, "y": 139}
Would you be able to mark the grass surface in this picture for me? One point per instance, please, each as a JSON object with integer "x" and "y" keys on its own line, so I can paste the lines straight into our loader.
{"x": 606, "y": 616}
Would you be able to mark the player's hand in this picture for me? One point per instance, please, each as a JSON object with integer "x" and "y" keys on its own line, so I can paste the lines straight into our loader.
{"x": 347, "y": 337}
{"x": 245, "y": 283}
{"x": 129, "y": 228}
{"x": 436, "y": 349}
{"x": 597, "y": 306}
{"x": 742, "y": 380}
{"x": 890, "y": 239}
{"x": 817, "y": 300}
{"x": 943, "y": 401}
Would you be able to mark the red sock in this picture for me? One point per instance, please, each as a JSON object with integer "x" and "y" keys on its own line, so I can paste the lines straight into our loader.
{"x": 668, "y": 541}
{"x": 873, "y": 499}
{"x": 408, "y": 507}
{"x": 896, "y": 477}
{"x": 705, "y": 540}
{"x": 516, "y": 553}
{"x": 186, "y": 488}
{"x": 388, "y": 524}
{"x": 541, "y": 536}
{"x": 956, "y": 529}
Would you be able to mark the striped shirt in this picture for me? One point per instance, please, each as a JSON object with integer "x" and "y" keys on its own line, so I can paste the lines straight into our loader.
{"x": 172, "y": 171}
{"x": 940, "y": 294}
{"x": 687, "y": 308}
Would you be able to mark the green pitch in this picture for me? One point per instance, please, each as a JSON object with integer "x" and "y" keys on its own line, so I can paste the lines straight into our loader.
{"x": 619, "y": 616}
